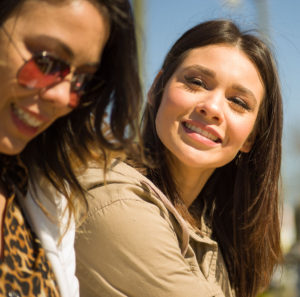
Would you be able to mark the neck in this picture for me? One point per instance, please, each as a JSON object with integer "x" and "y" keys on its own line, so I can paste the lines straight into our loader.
{"x": 190, "y": 181}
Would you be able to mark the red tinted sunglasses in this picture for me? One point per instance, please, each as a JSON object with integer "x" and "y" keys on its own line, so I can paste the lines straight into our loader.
{"x": 44, "y": 70}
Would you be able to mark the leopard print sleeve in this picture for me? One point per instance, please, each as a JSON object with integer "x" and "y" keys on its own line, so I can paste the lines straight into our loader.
{"x": 24, "y": 267}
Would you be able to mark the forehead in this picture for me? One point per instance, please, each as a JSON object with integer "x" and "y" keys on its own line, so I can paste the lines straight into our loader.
{"x": 214, "y": 53}
{"x": 80, "y": 24}
{"x": 221, "y": 58}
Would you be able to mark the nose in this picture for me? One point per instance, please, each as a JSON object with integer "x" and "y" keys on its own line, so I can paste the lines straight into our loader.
{"x": 59, "y": 94}
{"x": 211, "y": 107}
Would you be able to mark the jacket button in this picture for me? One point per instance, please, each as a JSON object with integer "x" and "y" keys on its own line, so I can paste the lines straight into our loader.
{"x": 13, "y": 294}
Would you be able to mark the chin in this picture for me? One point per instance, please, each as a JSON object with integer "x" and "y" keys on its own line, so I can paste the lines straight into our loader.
{"x": 11, "y": 149}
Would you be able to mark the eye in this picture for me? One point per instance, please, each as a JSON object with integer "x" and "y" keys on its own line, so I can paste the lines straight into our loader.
{"x": 239, "y": 103}
{"x": 195, "y": 82}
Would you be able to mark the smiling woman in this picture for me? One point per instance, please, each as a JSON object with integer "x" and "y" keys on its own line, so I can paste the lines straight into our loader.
{"x": 60, "y": 68}
{"x": 208, "y": 111}
{"x": 205, "y": 118}
{"x": 202, "y": 219}
{"x": 35, "y": 78}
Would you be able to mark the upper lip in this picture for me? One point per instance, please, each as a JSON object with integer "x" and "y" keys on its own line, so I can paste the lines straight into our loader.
{"x": 206, "y": 128}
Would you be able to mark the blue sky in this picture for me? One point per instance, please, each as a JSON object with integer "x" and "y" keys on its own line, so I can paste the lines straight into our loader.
{"x": 166, "y": 20}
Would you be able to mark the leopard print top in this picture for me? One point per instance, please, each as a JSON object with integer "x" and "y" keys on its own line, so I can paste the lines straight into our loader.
{"x": 24, "y": 267}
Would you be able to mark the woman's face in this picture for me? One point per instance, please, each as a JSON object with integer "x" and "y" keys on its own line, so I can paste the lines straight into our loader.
{"x": 209, "y": 107}
{"x": 74, "y": 31}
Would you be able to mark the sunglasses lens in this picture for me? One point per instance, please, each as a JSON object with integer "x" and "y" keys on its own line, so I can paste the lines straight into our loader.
{"x": 42, "y": 71}
{"x": 78, "y": 85}
{"x": 79, "y": 81}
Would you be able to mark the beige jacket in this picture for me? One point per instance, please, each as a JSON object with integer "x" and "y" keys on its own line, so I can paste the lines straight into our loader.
{"x": 134, "y": 243}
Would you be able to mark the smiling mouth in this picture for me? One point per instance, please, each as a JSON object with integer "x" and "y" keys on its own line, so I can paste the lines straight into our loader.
{"x": 26, "y": 117}
{"x": 202, "y": 132}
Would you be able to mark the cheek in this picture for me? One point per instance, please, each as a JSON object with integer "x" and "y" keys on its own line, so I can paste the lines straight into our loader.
{"x": 164, "y": 122}
{"x": 242, "y": 130}
{"x": 167, "y": 114}
{"x": 160, "y": 122}
{"x": 175, "y": 102}
{"x": 56, "y": 115}
{"x": 62, "y": 112}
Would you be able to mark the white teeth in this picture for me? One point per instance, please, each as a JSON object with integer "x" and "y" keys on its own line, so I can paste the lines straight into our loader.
{"x": 201, "y": 132}
{"x": 26, "y": 117}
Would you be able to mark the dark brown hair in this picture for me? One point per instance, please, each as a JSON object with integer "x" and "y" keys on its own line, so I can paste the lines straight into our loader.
{"x": 240, "y": 199}
{"x": 115, "y": 93}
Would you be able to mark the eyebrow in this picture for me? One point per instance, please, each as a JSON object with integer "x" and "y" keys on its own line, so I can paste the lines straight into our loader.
{"x": 245, "y": 91}
{"x": 55, "y": 42}
{"x": 201, "y": 69}
{"x": 59, "y": 45}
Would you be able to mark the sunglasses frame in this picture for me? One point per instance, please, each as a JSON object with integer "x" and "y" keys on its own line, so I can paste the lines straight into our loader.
{"x": 78, "y": 81}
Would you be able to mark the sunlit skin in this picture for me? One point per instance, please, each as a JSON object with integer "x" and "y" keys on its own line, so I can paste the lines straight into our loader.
{"x": 207, "y": 113}
{"x": 75, "y": 31}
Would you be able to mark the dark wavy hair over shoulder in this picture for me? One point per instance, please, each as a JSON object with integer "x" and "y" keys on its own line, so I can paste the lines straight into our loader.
{"x": 241, "y": 198}
{"x": 115, "y": 92}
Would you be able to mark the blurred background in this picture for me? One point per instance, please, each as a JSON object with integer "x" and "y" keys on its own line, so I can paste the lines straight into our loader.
{"x": 161, "y": 22}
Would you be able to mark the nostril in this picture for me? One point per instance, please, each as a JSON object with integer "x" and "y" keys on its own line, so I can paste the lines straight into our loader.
{"x": 202, "y": 111}
{"x": 210, "y": 111}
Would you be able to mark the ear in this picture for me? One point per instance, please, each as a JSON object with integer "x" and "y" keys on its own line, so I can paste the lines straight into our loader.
{"x": 247, "y": 146}
{"x": 150, "y": 95}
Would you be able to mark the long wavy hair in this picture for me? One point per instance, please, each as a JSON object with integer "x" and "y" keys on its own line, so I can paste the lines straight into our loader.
{"x": 107, "y": 117}
{"x": 241, "y": 199}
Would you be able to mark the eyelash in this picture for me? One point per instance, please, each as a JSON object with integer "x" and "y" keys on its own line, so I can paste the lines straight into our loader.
{"x": 239, "y": 102}
{"x": 194, "y": 83}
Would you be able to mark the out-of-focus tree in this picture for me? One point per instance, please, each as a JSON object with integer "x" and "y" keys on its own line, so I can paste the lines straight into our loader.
{"x": 138, "y": 7}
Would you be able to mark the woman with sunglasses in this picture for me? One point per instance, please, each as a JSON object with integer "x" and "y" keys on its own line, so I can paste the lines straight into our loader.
{"x": 62, "y": 64}
{"x": 202, "y": 221}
